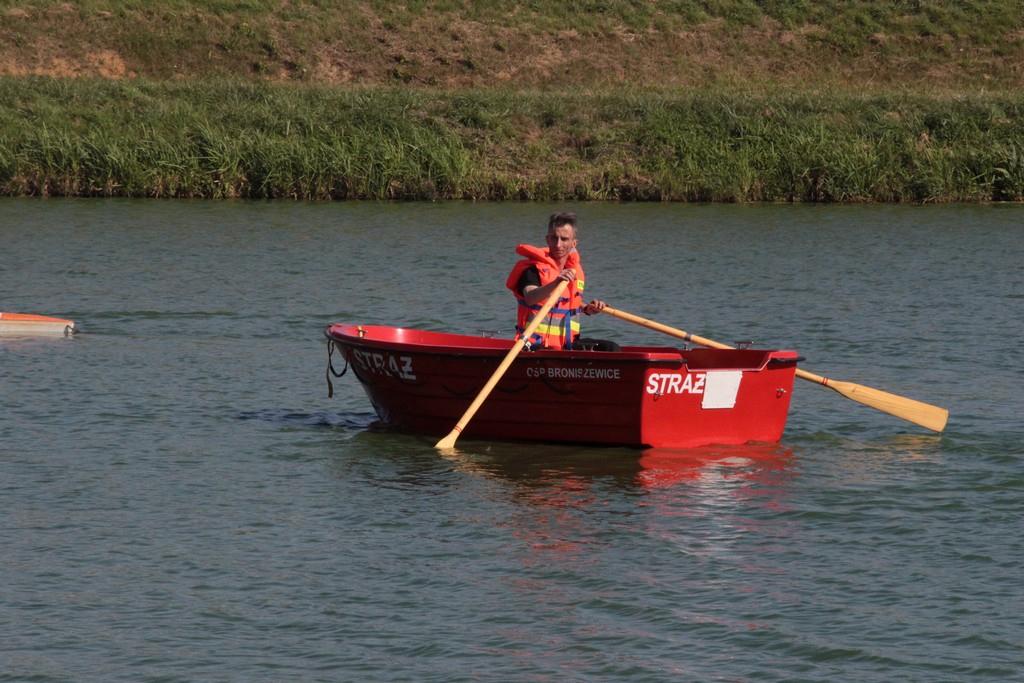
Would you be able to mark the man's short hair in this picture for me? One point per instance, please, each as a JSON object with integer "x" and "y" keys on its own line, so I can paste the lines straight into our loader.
{"x": 557, "y": 220}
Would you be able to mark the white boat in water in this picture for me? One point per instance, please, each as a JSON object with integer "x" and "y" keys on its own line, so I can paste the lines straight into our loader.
{"x": 27, "y": 324}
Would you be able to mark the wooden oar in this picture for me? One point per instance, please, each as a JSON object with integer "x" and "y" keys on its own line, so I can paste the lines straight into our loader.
{"x": 908, "y": 409}
{"x": 449, "y": 441}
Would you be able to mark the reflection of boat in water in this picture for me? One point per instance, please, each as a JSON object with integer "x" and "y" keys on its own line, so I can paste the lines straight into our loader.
{"x": 640, "y": 396}
{"x": 665, "y": 467}
{"x": 27, "y": 324}
{"x": 557, "y": 471}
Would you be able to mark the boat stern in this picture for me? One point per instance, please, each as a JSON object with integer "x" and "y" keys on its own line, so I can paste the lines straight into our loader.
{"x": 718, "y": 397}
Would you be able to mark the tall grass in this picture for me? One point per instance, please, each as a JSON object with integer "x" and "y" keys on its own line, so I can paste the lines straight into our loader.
{"x": 799, "y": 147}
{"x": 245, "y": 140}
{"x": 240, "y": 140}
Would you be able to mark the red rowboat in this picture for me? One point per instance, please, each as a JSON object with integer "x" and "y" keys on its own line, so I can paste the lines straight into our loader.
{"x": 659, "y": 397}
{"x": 24, "y": 324}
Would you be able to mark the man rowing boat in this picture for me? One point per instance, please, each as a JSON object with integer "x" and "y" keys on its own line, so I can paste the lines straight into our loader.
{"x": 533, "y": 279}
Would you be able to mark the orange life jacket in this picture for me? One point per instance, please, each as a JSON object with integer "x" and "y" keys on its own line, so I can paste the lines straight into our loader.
{"x": 562, "y": 325}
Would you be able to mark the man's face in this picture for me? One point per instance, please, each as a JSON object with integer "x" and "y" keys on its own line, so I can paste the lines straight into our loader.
{"x": 561, "y": 241}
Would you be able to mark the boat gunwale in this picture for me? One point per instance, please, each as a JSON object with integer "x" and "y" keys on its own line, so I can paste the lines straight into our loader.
{"x": 648, "y": 355}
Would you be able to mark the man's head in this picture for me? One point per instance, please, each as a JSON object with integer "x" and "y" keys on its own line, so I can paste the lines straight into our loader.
{"x": 561, "y": 237}
{"x": 558, "y": 220}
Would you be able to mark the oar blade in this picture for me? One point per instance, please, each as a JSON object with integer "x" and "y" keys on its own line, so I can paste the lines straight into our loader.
{"x": 448, "y": 441}
{"x": 929, "y": 416}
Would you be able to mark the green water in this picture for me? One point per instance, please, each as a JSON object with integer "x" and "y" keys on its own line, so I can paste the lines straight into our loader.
{"x": 183, "y": 502}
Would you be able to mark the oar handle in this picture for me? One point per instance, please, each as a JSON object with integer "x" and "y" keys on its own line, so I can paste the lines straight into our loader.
{"x": 449, "y": 441}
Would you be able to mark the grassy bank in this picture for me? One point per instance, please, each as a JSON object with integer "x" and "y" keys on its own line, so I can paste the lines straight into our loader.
{"x": 681, "y": 100}
{"x": 142, "y": 138}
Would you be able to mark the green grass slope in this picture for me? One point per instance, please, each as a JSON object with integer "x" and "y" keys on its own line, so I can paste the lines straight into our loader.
{"x": 721, "y": 100}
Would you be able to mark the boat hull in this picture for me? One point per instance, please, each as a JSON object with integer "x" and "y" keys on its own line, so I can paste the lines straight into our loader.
{"x": 26, "y": 324}
{"x": 658, "y": 397}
